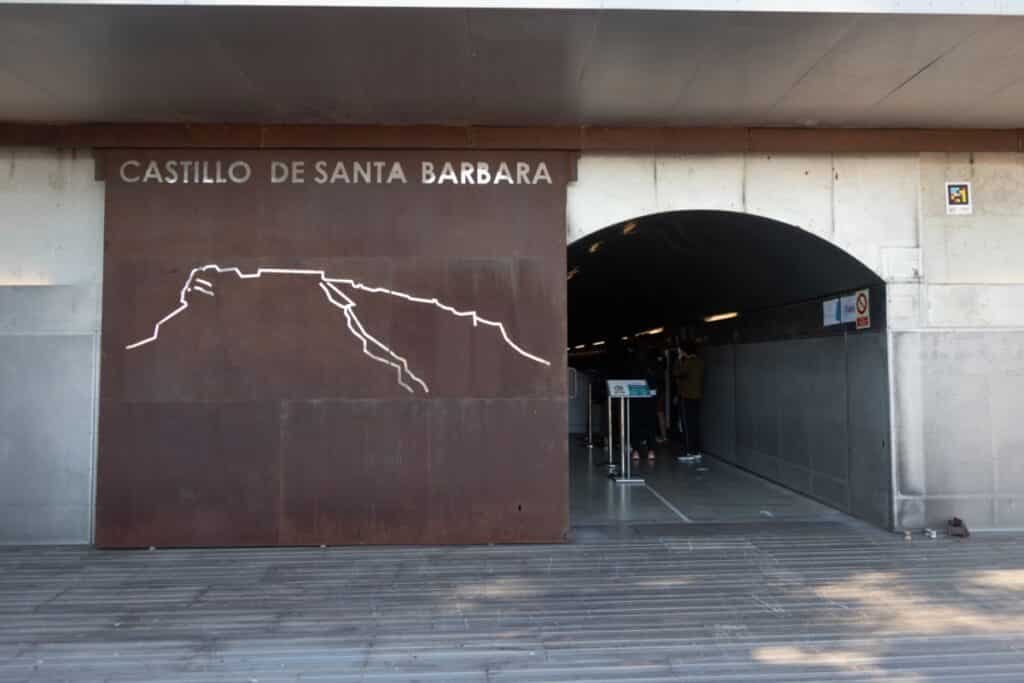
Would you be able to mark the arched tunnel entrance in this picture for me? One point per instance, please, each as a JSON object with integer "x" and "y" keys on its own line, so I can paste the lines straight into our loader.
{"x": 792, "y": 419}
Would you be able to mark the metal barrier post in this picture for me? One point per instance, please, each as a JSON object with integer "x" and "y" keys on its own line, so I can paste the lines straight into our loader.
{"x": 609, "y": 464}
{"x": 622, "y": 437}
{"x": 629, "y": 442}
{"x": 611, "y": 436}
{"x": 590, "y": 417}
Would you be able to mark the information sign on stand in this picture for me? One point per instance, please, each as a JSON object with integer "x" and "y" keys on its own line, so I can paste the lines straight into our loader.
{"x": 624, "y": 390}
{"x": 629, "y": 388}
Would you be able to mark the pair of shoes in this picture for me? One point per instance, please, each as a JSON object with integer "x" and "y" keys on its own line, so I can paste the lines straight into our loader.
{"x": 650, "y": 455}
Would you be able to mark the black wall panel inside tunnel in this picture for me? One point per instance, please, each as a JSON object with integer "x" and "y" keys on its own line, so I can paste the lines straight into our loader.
{"x": 811, "y": 414}
{"x": 785, "y": 397}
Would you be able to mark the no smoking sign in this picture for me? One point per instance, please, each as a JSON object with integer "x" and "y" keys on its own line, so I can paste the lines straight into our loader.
{"x": 863, "y": 304}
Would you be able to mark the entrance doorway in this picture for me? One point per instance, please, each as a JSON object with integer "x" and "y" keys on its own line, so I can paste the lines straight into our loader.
{"x": 793, "y": 415}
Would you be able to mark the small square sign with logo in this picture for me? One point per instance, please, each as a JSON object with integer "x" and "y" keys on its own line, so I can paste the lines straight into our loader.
{"x": 959, "y": 199}
{"x": 862, "y": 303}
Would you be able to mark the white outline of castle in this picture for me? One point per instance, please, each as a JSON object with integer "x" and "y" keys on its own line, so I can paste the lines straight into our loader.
{"x": 339, "y": 299}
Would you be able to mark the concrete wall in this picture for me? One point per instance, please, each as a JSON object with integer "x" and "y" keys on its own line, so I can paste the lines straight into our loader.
{"x": 955, "y": 287}
{"x": 51, "y": 243}
{"x": 958, "y": 351}
{"x": 867, "y": 206}
{"x": 954, "y": 290}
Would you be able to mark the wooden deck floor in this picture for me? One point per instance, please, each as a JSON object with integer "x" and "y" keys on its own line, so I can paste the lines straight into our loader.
{"x": 767, "y": 602}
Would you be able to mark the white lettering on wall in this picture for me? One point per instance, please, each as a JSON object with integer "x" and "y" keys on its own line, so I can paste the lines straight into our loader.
{"x": 125, "y": 177}
{"x": 340, "y": 173}
{"x": 427, "y": 173}
{"x": 448, "y": 174}
{"x": 397, "y": 174}
{"x": 484, "y": 173}
{"x": 239, "y": 172}
{"x": 503, "y": 175}
{"x": 324, "y": 172}
{"x": 278, "y": 172}
{"x": 542, "y": 175}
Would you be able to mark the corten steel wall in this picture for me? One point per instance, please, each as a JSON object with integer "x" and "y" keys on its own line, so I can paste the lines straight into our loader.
{"x": 257, "y": 418}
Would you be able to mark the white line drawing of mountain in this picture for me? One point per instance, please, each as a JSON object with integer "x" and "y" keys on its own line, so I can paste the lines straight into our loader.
{"x": 372, "y": 347}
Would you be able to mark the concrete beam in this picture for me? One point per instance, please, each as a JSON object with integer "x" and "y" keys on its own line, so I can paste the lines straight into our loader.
{"x": 582, "y": 138}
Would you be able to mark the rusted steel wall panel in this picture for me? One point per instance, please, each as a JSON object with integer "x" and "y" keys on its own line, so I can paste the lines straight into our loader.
{"x": 355, "y": 398}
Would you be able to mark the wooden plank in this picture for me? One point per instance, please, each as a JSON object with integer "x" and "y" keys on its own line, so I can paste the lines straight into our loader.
{"x": 764, "y": 602}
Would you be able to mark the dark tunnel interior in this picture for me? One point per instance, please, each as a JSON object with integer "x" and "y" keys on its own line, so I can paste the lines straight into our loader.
{"x": 671, "y": 269}
{"x": 782, "y": 392}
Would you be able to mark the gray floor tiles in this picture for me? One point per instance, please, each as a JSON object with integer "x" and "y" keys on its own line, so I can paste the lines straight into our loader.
{"x": 709, "y": 491}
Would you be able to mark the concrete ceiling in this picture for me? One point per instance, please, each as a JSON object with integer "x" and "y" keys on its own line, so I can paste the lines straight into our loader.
{"x": 677, "y": 267}
{"x": 513, "y": 67}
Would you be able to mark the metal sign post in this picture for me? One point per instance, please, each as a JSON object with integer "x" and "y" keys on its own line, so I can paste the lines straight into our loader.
{"x": 623, "y": 459}
{"x": 590, "y": 417}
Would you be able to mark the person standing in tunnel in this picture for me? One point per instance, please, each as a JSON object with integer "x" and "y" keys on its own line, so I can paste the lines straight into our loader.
{"x": 661, "y": 379}
{"x": 690, "y": 384}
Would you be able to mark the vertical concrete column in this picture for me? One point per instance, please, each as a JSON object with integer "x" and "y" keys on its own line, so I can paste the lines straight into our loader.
{"x": 51, "y": 244}
{"x": 957, "y": 362}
